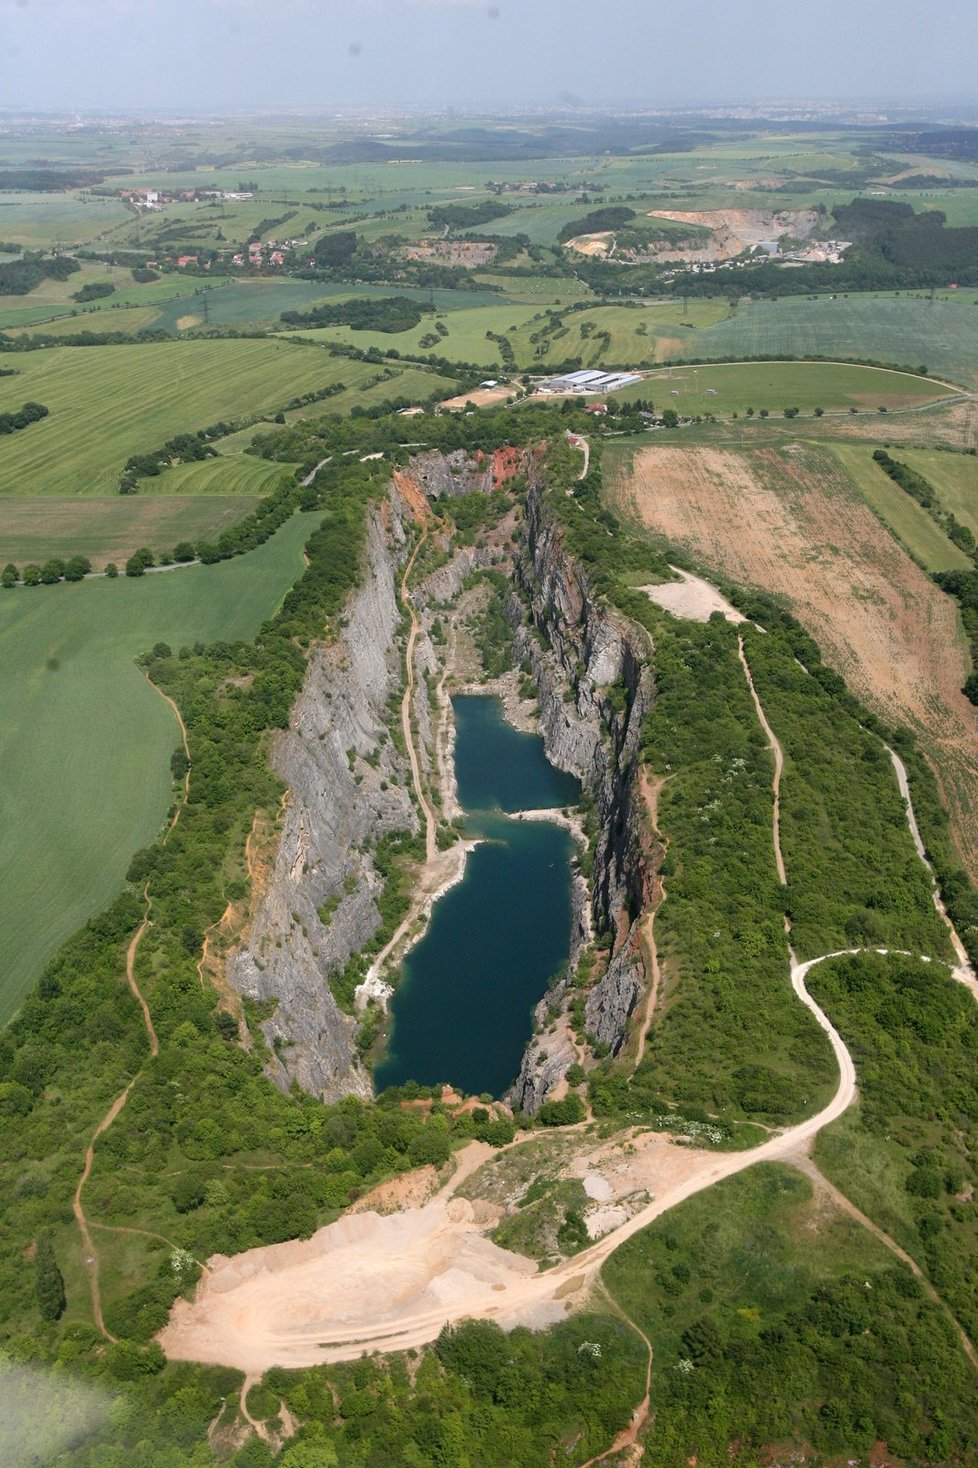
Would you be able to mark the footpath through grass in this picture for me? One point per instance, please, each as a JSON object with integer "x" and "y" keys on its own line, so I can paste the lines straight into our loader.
{"x": 85, "y": 740}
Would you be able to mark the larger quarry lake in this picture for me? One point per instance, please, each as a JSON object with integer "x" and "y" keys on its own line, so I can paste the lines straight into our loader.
{"x": 463, "y": 1010}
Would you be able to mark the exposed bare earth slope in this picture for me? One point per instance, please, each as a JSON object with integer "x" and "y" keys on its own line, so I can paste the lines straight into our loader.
{"x": 787, "y": 519}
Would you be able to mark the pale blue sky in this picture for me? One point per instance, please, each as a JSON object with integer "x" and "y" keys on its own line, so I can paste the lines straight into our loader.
{"x": 216, "y": 55}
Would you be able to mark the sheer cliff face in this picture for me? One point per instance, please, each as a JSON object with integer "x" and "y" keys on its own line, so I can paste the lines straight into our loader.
{"x": 584, "y": 658}
{"x": 347, "y": 788}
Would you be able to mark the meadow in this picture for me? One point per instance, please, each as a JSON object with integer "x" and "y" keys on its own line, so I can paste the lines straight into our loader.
{"x": 113, "y": 529}
{"x": 942, "y": 335}
{"x": 465, "y": 341}
{"x": 85, "y": 740}
{"x": 107, "y": 403}
{"x": 53, "y": 299}
{"x": 727, "y": 388}
{"x": 908, "y": 520}
{"x": 954, "y": 477}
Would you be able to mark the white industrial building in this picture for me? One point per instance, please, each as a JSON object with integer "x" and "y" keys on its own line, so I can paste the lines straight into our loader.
{"x": 588, "y": 381}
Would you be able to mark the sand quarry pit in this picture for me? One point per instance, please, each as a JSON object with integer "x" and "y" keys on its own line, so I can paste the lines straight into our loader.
{"x": 789, "y": 520}
{"x": 372, "y": 1282}
{"x": 364, "y": 1279}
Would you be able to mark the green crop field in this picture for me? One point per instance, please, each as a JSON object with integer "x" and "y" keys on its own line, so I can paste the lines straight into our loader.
{"x": 113, "y": 529}
{"x": 954, "y": 476}
{"x": 85, "y": 741}
{"x": 905, "y": 329}
{"x": 901, "y": 513}
{"x": 466, "y": 340}
{"x": 631, "y": 336}
{"x": 52, "y": 299}
{"x": 733, "y": 388}
{"x": 109, "y": 402}
{"x": 256, "y": 302}
{"x": 228, "y": 474}
{"x": 35, "y": 220}
{"x": 130, "y": 319}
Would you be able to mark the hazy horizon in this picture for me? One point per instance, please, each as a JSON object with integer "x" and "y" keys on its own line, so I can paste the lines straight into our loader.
{"x": 221, "y": 56}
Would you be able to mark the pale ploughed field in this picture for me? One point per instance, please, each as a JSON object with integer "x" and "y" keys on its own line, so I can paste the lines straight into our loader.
{"x": 788, "y": 520}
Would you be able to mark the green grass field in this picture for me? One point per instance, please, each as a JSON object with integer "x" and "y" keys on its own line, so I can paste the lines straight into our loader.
{"x": 733, "y": 388}
{"x": 112, "y": 529}
{"x": 906, "y": 329}
{"x": 616, "y": 335}
{"x": 109, "y": 402}
{"x": 52, "y": 299}
{"x": 901, "y": 513}
{"x": 228, "y": 474}
{"x": 954, "y": 476}
{"x": 257, "y": 302}
{"x": 35, "y": 220}
{"x": 466, "y": 340}
{"x": 85, "y": 740}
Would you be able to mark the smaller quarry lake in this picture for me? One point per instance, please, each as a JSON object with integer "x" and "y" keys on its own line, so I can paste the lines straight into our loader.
{"x": 463, "y": 1010}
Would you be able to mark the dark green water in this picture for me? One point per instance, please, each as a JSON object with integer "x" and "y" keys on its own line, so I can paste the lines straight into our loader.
{"x": 463, "y": 1010}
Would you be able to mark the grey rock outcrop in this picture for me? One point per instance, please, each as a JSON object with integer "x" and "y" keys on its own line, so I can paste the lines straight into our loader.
{"x": 443, "y": 475}
{"x": 613, "y": 999}
{"x": 348, "y": 787}
{"x": 596, "y": 686}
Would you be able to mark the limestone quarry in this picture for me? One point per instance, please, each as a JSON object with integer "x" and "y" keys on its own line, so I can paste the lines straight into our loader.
{"x": 732, "y": 232}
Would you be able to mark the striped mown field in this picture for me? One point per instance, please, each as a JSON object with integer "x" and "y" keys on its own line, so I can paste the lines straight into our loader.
{"x": 113, "y": 529}
{"x": 107, "y": 403}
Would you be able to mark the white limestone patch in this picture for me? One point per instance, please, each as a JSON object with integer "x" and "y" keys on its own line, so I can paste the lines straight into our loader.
{"x": 692, "y": 598}
{"x": 598, "y": 1187}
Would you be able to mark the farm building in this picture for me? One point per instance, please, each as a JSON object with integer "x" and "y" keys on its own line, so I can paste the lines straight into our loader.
{"x": 588, "y": 381}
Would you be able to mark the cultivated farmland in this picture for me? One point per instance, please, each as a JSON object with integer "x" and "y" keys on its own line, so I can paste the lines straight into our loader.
{"x": 85, "y": 740}
{"x": 112, "y": 529}
{"x": 943, "y": 335}
{"x": 734, "y": 387}
{"x": 789, "y": 520}
{"x": 107, "y": 403}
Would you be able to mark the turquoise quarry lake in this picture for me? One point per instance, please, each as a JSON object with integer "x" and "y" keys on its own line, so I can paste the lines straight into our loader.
{"x": 463, "y": 1010}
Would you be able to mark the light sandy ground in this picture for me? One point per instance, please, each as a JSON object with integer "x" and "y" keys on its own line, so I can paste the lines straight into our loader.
{"x": 481, "y": 397}
{"x": 787, "y": 519}
{"x": 691, "y": 597}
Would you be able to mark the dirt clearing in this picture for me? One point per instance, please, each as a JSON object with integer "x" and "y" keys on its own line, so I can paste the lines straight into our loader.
{"x": 789, "y": 520}
{"x": 691, "y": 597}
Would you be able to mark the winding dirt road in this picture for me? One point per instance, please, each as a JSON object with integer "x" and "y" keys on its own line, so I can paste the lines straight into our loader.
{"x": 90, "y": 1253}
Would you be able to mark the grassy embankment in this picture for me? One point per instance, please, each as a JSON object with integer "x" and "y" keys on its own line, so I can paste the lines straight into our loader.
{"x": 907, "y": 1153}
{"x": 85, "y": 740}
{"x": 779, "y": 1325}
